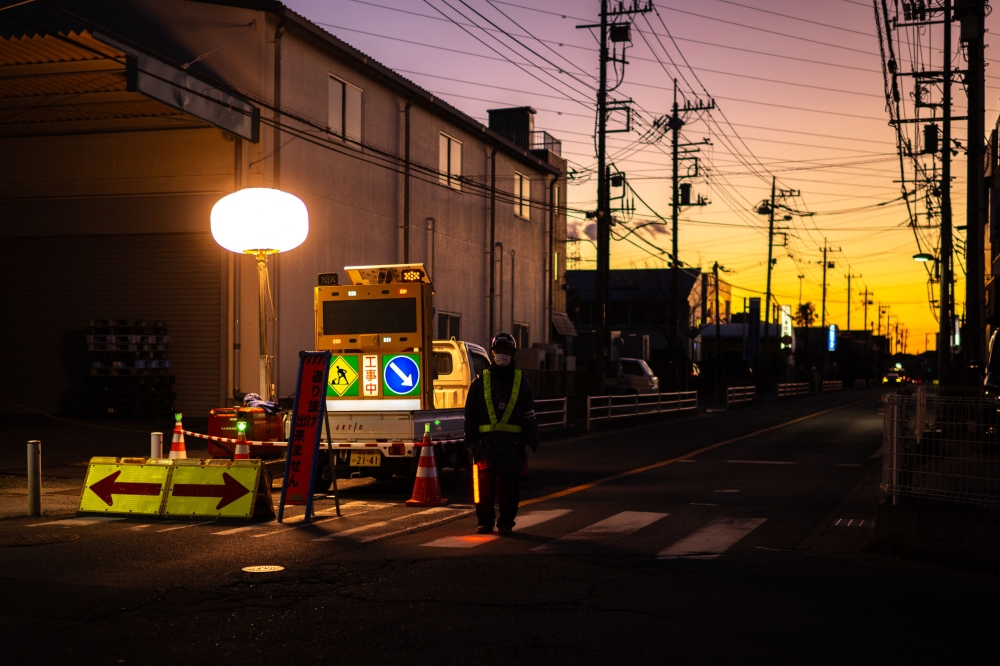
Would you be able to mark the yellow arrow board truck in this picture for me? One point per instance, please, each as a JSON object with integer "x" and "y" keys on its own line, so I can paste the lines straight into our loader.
{"x": 388, "y": 378}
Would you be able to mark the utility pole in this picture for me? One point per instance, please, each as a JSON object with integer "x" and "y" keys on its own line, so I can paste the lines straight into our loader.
{"x": 945, "y": 317}
{"x": 801, "y": 277}
{"x": 972, "y": 15}
{"x": 678, "y": 199}
{"x": 615, "y": 32}
{"x": 826, "y": 265}
{"x": 849, "y": 276}
{"x": 603, "y": 276}
{"x": 867, "y": 303}
{"x": 768, "y": 209}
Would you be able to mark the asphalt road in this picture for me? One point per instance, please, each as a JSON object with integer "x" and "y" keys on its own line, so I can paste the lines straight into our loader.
{"x": 735, "y": 537}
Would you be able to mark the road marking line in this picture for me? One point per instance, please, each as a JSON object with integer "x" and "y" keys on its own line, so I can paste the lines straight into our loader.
{"x": 848, "y": 465}
{"x": 80, "y": 522}
{"x": 686, "y": 456}
{"x": 524, "y": 522}
{"x": 616, "y": 527}
{"x": 853, "y": 522}
{"x": 701, "y": 504}
{"x": 237, "y": 530}
{"x": 687, "y": 461}
{"x": 140, "y": 527}
{"x": 181, "y": 527}
{"x": 761, "y": 462}
{"x": 726, "y": 491}
{"x": 712, "y": 540}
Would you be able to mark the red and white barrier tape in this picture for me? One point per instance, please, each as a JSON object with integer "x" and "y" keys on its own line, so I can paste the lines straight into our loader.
{"x": 230, "y": 440}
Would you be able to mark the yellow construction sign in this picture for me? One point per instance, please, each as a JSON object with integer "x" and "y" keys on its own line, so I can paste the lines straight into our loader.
{"x": 191, "y": 488}
{"x": 125, "y": 485}
{"x": 217, "y": 488}
{"x": 343, "y": 379}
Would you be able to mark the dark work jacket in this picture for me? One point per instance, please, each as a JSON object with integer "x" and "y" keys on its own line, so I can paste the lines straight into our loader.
{"x": 503, "y": 450}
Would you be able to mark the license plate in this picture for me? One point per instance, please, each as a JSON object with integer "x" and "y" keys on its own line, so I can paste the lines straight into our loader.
{"x": 366, "y": 459}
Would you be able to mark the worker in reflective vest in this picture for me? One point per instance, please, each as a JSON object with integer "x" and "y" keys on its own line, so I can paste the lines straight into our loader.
{"x": 502, "y": 432}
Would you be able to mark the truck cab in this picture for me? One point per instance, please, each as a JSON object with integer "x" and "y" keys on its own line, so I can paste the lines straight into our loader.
{"x": 632, "y": 375}
{"x": 456, "y": 364}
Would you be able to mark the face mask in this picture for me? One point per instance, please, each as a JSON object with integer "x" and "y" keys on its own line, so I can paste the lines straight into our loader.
{"x": 501, "y": 359}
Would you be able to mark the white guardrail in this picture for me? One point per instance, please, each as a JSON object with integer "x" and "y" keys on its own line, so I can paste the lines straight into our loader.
{"x": 860, "y": 383}
{"x": 792, "y": 389}
{"x": 833, "y": 385}
{"x": 606, "y": 407}
{"x": 551, "y": 418}
{"x": 738, "y": 394}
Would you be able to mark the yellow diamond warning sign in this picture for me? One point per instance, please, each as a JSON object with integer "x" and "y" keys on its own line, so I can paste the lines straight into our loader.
{"x": 343, "y": 381}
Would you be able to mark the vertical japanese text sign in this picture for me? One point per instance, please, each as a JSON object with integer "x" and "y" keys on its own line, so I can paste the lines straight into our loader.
{"x": 306, "y": 428}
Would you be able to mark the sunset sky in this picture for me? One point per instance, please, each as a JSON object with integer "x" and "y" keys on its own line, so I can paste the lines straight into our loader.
{"x": 799, "y": 94}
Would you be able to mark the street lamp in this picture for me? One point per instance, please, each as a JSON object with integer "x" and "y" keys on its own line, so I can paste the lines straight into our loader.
{"x": 260, "y": 221}
{"x": 923, "y": 256}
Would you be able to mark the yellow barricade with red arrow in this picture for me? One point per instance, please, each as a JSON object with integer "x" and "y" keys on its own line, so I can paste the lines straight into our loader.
{"x": 188, "y": 488}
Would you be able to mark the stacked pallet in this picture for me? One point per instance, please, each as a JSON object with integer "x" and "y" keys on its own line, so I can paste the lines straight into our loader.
{"x": 129, "y": 373}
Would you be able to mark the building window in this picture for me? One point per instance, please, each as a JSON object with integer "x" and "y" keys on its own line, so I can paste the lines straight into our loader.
{"x": 522, "y": 196}
{"x": 345, "y": 109}
{"x": 522, "y": 335}
{"x": 449, "y": 326}
{"x": 450, "y": 162}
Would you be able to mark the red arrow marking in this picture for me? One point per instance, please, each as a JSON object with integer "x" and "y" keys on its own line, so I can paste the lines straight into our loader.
{"x": 107, "y": 487}
{"x": 230, "y": 491}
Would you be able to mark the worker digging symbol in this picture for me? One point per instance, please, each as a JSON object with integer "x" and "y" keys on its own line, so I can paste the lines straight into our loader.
{"x": 343, "y": 379}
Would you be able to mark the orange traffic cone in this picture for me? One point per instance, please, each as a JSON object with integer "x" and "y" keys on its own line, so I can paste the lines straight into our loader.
{"x": 177, "y": 448}
{"x": 426, "y": 489}
{"x": 242, "y": 450}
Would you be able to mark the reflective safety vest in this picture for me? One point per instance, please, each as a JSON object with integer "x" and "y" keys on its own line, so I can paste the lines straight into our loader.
{"x": 502, "y": 425}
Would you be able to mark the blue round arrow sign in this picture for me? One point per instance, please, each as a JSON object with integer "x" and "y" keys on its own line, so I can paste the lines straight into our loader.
{"x": 402, "y": 375}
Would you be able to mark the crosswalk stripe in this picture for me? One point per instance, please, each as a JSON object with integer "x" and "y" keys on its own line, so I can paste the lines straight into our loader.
{"x": 420, "y": 519}
{"x": 712, "y": 540}
{"x": 140, "y": 527}
{"x": 364, "y": 507}
{"x": 449, "y": 514}
{"x": 79, "y": 522}
{"x": 610, "y": 529}
{"x": 524, "y": 522}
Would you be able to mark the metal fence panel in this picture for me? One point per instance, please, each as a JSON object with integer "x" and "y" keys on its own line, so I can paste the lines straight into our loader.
{"x": 551, "y": 412}
{"x": 833, "y": 385}
{"x": 793, "y": 389}
{"x": 943, "y": 447}
{"x": 738, "y": 394}
{"x": 607, "y": 407}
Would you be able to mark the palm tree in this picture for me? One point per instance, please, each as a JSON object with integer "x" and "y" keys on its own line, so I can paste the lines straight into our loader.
{"x": 805, "y": 315}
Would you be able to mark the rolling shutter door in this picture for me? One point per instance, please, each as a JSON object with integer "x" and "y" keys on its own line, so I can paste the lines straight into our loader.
{"x": 53, "y": 286}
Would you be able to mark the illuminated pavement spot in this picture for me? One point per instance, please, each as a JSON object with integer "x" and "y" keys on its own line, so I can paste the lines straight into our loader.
{"x": 80, "y": 522}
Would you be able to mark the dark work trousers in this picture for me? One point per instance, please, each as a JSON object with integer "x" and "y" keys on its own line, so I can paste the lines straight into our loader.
{"x": 502, "y": 484}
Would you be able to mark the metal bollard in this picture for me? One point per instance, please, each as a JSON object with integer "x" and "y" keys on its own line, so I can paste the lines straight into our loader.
{"x": 34, "y": 477}
{"x": 156, "y": 445}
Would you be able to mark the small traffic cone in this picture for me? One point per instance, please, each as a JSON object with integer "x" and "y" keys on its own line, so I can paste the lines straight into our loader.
{"x": 242, "y": 450}
{"x": 525, "y": 471}
{"x": 177, "y": 448}
{"x": 426, "y": 489}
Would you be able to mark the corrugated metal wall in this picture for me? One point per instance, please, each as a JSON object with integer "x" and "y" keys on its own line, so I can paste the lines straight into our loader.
{"x": 53, "y": 286}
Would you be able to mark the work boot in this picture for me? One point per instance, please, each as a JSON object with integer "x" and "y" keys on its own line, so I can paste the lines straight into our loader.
{"x": 505, "y": 530}
{"x": 483, "y": 529}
